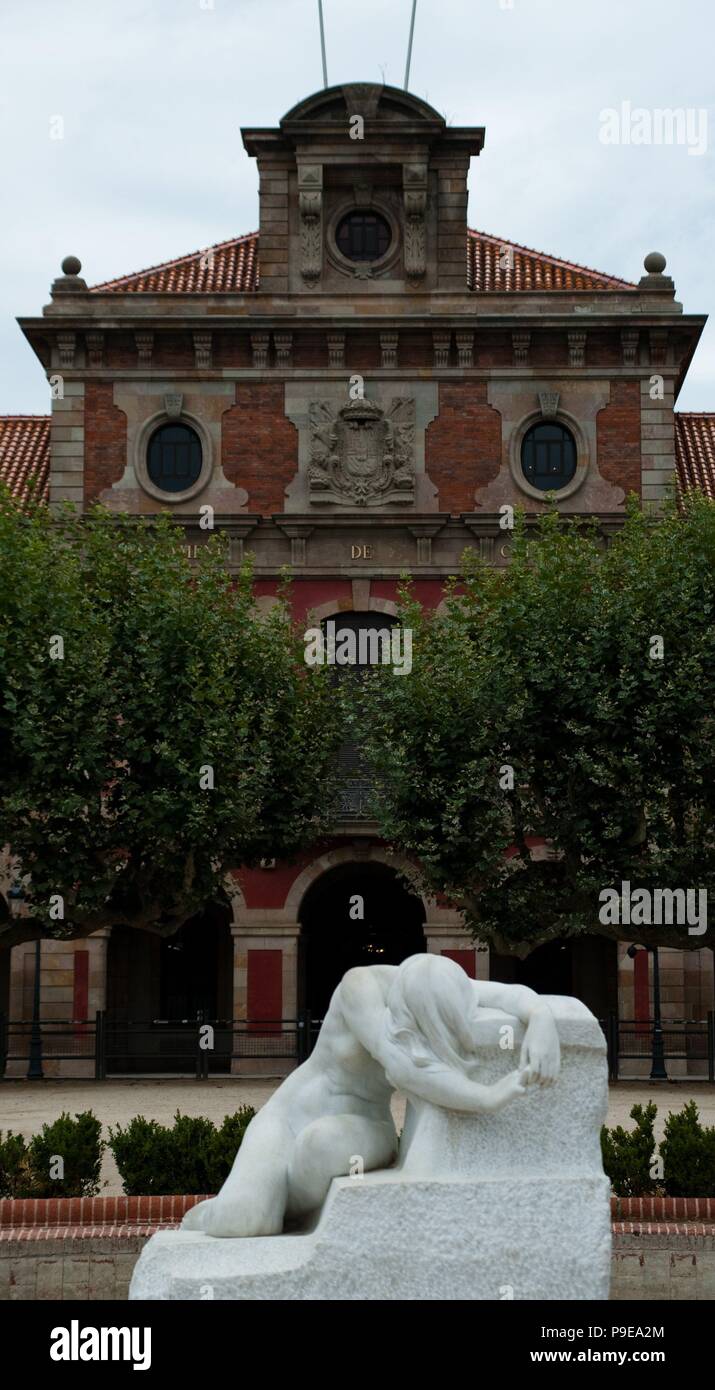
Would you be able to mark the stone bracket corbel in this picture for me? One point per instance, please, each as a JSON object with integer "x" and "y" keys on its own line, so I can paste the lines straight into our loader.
{"x": 202, "y": 351}
{"x": 298, "y": 534}
{"x": 144, "y": 341}
{"x": 237, "y": 536}
{"x": 66, "y": 344}
{"x": 414, "y": 182}
{"x": 95, "y": 348}
{"x": 310, "y": 207}
{"x": 424, "y": 534}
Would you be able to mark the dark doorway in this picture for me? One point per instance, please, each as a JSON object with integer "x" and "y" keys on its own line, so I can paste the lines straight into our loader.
{"x": 158, "y": 989}
{"x": 585, "y": 966}
{"x": 332, "y": 941}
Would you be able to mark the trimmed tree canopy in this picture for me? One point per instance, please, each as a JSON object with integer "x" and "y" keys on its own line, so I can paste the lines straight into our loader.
{"x": 155, "y": 730}
{"x": 565, "y": 702}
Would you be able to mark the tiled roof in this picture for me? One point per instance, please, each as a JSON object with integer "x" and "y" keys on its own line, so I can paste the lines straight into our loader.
{"x": 231, "y": 266}
{"x": 492, "y": 264}
{"x": 25, "y": 455}
{"x": 495, "y": 264}
{"x": 695, "y": 451}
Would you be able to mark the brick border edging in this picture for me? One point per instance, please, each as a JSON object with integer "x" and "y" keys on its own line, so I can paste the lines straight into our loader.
{"x": 157, "y": 1211}
{"x": 661, "y": 1210}
{"x": 93, "y": 1211}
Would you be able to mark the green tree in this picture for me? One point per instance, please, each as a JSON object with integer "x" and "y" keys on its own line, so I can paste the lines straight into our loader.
{"x": 585, "y": 675}
{"x": 155, "y": 730}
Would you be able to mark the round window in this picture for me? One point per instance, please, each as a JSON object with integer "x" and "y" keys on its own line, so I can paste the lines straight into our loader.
{"x": 548, "y": 456}
{"x": 363, "y": 236}
{"x": 174, "y": 458}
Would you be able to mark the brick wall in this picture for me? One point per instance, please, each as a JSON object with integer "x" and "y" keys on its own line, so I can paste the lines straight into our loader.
{"x": 86, "y": 1248}
{"x": 259, "y": 448}
{"x": 618, "y": 428}
{"x": 105, "y": 440}
{"x": 463, "y": 445}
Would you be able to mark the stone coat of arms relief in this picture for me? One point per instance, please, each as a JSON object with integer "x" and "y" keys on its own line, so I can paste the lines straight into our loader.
{"x": 362, "y": 455}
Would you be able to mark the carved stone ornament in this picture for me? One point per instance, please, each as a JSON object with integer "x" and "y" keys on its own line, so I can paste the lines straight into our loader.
{"x": 362, "y": 455}
{"x": 310, "y": 206}
{"x": 173, "y": 403}
{"x": 549, "y": 403}
{"x": 415, "y": 196}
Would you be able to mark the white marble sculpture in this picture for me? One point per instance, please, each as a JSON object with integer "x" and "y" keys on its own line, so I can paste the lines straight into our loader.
{"x": 498, "y": 1191}
{"x": 410, "y": 1027}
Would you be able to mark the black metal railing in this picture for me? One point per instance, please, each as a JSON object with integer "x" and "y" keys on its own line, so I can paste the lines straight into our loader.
{"x": 653, "y": 1043}
{"x": 140, "y": 1047}
{"x": 637, "y": 1048}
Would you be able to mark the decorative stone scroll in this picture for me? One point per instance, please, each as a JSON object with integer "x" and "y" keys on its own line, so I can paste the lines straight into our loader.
{"x": 362, "y": 455}
{"x": 415, "y": 197}
{"x": 310, "y": 206}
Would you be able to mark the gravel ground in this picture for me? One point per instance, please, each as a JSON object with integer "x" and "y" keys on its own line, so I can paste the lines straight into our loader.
{"x": 26, "y": 1105}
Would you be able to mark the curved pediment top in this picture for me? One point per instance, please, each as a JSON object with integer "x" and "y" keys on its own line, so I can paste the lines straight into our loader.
{"x": 372, "y": 100}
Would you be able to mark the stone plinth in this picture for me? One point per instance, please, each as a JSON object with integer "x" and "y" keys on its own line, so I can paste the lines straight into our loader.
{"x": 510, "y": 1205}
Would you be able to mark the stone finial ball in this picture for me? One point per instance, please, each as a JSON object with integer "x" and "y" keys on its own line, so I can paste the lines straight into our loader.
{"x": 71, "y": 265}
{"x": 654, "y": 263}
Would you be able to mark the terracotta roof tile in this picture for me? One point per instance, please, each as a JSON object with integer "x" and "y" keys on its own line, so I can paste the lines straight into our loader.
{"x": 232, "y": 266}
{"x": 695, "y": 452}
{"x": 25, "y": 455}
{"x": 495, "y": 264}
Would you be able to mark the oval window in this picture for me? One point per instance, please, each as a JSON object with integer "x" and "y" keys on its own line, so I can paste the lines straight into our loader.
{"x": 548, "y": 456}
{"x": 174, "y": 458}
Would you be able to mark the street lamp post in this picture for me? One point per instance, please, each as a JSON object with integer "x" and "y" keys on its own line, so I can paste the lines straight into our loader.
{"x": 34, "y": 1071}
{"x": 657, "y": 1069}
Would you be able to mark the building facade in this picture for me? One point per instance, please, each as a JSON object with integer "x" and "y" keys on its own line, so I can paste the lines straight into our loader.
{"x": 357, "y": 390}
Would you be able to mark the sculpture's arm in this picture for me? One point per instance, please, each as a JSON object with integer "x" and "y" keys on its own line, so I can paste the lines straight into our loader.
{"x": 451, "y": 1089}
{"x": 363, "y": 1006}
{"x": 540, "y": 1050}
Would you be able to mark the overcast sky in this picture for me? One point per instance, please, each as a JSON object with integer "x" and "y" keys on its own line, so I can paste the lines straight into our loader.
{"x": 152, "y": 94}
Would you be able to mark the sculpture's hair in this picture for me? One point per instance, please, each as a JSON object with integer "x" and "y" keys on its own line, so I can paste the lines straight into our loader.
{"x": 429, "y": 1015}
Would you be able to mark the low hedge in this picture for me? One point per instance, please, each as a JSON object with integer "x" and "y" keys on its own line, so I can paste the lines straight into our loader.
{"x": 684, "y": 1165}
{"x": 192, "y": 1156}
{"x": 63, "y": 1160}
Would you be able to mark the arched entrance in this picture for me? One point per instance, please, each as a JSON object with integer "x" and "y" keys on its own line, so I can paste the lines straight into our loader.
{"x": 585, "y": 966}
{"x": 333, "y": 941}
{"x": 157, "y": 989}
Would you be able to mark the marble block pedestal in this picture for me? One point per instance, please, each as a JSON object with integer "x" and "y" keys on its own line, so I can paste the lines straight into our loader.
{"x": 510, "y": 1205}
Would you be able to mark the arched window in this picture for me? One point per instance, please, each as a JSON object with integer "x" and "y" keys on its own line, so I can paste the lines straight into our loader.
{"x": 363, "y": 236}
{"x": 174, "y": 457}
{"x": 548, "y": 456}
